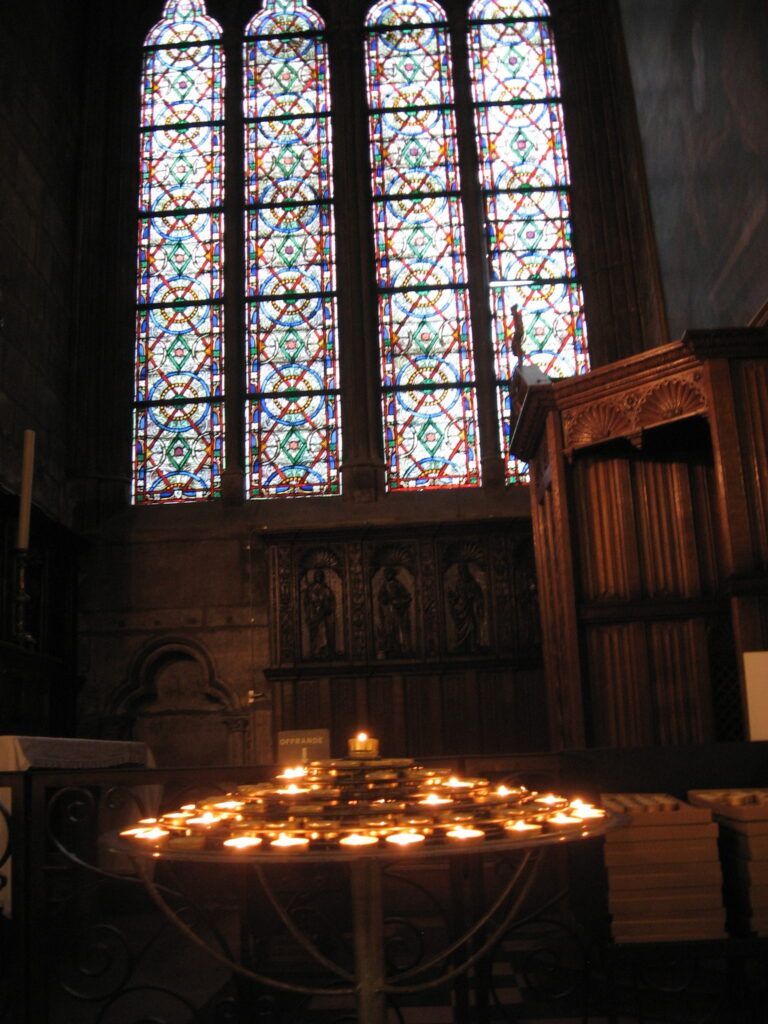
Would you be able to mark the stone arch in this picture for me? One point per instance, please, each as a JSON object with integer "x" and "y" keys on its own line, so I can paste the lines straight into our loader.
{"x": 174, "y": 702}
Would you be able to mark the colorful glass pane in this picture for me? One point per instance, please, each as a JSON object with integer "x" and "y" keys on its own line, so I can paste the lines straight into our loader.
{"x": 292, "y": 419}
{"x": 178, "y": 426}
{"x": 525, "y": 181}
{"x": 424, "y": 331}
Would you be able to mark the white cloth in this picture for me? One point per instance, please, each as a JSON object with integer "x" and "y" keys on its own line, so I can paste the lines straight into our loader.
{"x": 19, "y": 753}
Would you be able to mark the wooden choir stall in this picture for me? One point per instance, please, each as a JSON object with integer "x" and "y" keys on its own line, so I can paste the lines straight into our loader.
{"x": 649, "y": 497}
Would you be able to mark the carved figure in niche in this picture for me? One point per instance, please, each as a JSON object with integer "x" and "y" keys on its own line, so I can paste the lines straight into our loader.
{"x": 320, "y": 616}
{"x": 394, "y": 601}
{"x": 467, "y": 607}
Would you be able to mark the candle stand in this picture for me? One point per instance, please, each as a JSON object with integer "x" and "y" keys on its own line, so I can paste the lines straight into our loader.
{"x": 365, "y": 812}
{"x": 21, "y": 600}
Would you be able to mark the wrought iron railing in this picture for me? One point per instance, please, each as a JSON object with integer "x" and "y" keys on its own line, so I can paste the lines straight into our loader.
{"x": 83, "y": 943}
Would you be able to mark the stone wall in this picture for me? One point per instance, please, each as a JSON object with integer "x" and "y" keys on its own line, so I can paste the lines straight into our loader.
{"x": 699, "y": 74}
{"x": 41, "y": 58}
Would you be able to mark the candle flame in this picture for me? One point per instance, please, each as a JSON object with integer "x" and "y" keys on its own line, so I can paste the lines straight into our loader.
{"x": 405, "y": 838}
{"x": 563, "y": 819}
{"x": 465, "y": 833}
{"x": 522, "y": 826}
{"x": 456, "y": 783}
{"x": 361, "y": 737}
{"x": 286, "y": 841}
{"x": 205, "y": 819}
{"x": 356, "y": 839}
{"x": 242, "y": 842}
{"x": 150, "y": 834}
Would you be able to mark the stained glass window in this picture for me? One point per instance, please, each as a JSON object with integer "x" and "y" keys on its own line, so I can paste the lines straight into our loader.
{"x": 525, "y": 181}
{"x": 293, "y": 406}
{"x": 424, "y": 330}
{"x": 178, "y": 438}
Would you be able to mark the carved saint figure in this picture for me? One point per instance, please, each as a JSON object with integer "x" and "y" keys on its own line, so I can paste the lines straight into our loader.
{"x": 394, "y": 600}
{"x": 466, "y": 605}
{"x": 320, "y": 616}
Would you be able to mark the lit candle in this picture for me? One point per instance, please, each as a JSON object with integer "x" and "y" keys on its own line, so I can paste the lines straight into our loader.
{"x": 563, "y": 820}
{"x": 465, "y": 833}
{"x": 25, "y": 494}
{"x": 205, "y": 819}
{"x": 284, "y": 842}
{"x": 148, "y": 834}
{"x": 356, "y": 839}
{"x": 455, "y": 783}
{"x": 434, "y": 800}
{"x": 177, "y": 817}
{"x": 581, "y": 810}
{"x": 405, "y": 838}
{"x": 293, "y": 773}
{"x": 522, "y": 826}
{"x": 363, "y": 746}
{"x": 242, "y": 842}
{"x": 292, "y": 790}
{"x": 550, "y": 799}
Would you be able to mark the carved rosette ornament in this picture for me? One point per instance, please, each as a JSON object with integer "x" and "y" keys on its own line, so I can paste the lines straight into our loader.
{"x": 670, "y": 400}
{"x": 595, "y": 424}
{"x": 629, "y": 414}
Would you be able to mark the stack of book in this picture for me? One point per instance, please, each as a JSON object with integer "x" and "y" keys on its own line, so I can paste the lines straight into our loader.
{"x": 743, "y": 818}
{"x": 664, "y": 881}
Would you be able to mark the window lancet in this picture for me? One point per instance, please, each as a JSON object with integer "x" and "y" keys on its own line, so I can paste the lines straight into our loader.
{"x": 525, "y": 181}
{"x": 178, "y": 430}
{"x": 292, "y": 420}
{"x": 424, "y": 328}
{"x": 428, "y": 389}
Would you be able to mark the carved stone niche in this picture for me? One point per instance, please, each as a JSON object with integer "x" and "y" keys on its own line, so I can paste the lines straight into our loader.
{"x": 321, "y": 605}
{"x": 394, "y": 601}
{"x": 174, "y": 703}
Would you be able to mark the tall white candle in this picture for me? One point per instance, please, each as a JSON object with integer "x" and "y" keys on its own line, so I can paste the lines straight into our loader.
{"x": 25, "y": 497}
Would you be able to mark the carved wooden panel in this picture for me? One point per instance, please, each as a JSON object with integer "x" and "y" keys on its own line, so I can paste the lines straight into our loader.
{"x": 430, "y": 638}
{"x": 354, "y": 599}
{"x": 606, "y": 549}
{"x": 621, "y": 713}
{"x": 421, "y": 713}
{"x": 627, "y": 414}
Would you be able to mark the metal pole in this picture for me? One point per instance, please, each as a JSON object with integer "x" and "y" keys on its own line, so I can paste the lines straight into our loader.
{"x": 365, "y": 876}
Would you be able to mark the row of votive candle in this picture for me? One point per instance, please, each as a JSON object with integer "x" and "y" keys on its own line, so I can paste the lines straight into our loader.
{"x": 576, "y": 813}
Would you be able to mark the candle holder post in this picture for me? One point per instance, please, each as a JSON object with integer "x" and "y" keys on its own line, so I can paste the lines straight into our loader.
{"x": 22, "y": 601}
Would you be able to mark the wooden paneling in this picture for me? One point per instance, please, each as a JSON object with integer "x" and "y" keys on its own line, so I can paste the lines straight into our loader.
{"x": 663, "y": 464}
{"x": 606, "y": 547}
{"x": 751, "y": 389}
{"x": 621, "y": 714}
{"x": 428, "y": 637}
